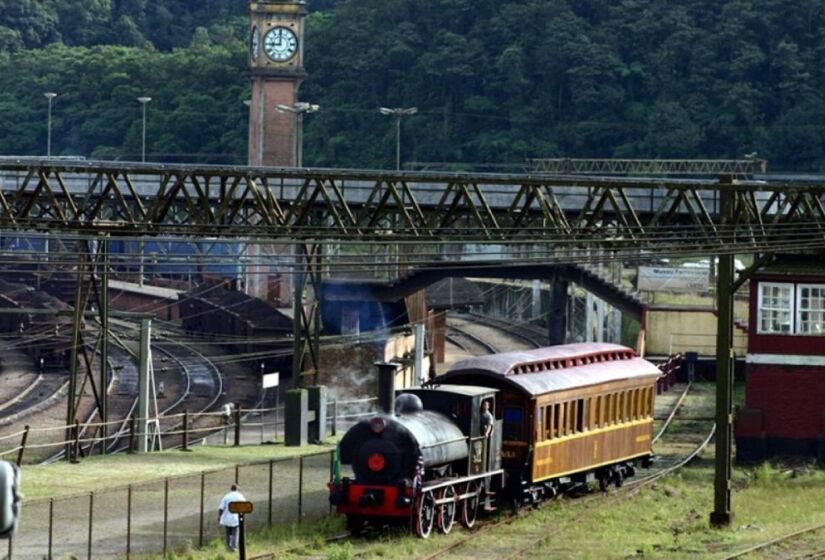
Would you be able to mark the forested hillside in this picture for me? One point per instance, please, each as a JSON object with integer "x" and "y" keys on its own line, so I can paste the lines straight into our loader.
{"x": 494, "y": 81}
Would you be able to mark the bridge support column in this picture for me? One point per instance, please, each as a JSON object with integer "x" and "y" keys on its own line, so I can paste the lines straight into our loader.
{"x": 91, "y": 291}
{"x": 557, "y": 318}
{"x": 306, "y": 315}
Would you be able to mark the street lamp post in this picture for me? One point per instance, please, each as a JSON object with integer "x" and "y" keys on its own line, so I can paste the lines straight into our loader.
{"x": 143, "y": 100}
{"x": 50, "y": 96}
{"x": 398, "y": 112}
{"x": 298, "y": 111}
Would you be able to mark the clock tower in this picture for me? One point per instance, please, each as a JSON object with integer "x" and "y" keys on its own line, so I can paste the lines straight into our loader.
{"x": 276, "y": 68}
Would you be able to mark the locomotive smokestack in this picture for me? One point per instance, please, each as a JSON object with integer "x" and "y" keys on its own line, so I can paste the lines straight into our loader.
{"x": 386, "y": 385}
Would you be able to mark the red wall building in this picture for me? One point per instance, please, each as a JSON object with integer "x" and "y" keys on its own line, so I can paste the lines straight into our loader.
{"x": 784, "y": 412}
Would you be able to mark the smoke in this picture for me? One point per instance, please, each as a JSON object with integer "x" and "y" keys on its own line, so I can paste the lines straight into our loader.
{"x": 354, "y": 392}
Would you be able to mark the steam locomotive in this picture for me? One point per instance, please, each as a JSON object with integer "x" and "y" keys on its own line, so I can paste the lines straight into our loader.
{"x": 566, "y": 414}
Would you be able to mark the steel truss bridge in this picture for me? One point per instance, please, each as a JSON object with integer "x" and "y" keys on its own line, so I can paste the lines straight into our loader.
{"x": 726, "y": 213}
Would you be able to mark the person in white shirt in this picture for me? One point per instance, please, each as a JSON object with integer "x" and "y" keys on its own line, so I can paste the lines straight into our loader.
{"x": 228, "y": 519}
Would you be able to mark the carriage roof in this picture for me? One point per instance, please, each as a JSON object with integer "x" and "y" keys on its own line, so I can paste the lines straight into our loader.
{"x": 554, "y": 368}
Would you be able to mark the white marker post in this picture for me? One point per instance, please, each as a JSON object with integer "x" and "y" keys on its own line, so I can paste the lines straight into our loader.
{"x": 272, "y": 380}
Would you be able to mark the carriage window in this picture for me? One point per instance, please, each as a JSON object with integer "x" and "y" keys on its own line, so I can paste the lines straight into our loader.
{"x": 556, "y": 420}
{"x": 608, "y": 410}
{"x": 628, "y": 397}
{"x": 580, "y": 415}
{"x": 564, "y": 423}
{"x": 571, "y": 419}
{"x": 513, "y": 420}
{"x": 620, "y": 412}
{"x": 634, "y": 404}
{"x": 548, "y": 422}
{"x": 591, "y": 420}
{"x": 597, "y": 414}
{"x": 539, "y": 423}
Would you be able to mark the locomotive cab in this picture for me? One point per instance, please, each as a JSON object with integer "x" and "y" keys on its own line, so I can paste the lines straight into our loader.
{"x": 464, "y": 405}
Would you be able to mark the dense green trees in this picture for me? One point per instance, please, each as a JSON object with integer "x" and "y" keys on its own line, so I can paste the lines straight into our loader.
{"x": 495, "y": 81}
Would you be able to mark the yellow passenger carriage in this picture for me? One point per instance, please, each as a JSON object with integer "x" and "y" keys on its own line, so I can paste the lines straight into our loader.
{"x": 571, "y": 413}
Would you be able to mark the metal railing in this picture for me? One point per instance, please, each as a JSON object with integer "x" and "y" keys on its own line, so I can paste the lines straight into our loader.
{"x": 171, "y": 514}
{"x": 181, "y": 430}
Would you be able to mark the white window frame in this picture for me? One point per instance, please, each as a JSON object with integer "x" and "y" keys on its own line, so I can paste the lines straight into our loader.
{"x": 799, "y": 310}
{"x": 760, "y": 309}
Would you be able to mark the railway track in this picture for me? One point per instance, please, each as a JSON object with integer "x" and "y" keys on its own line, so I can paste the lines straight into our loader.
{"x": 200, "y": 389}
{"x": 468, "y": 342}
{"x": 32, "y": 399}
{"x": 529, "y": 334}
{"x": 780, "y": 544}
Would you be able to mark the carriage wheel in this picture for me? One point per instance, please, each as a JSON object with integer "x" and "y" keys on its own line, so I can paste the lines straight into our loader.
{"x": 424, "y": 514}
{"x": 446, "y": 511}
{"x": 469, "y": 507}
{"x": 619, "y": 481}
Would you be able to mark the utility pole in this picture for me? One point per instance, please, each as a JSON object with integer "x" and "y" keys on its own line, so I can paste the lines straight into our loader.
{"x": 398, "y": 112}
{"x": 50, "y": 96}
{"x": 298, "y": 111}
{"x": 722, "y": 514}
{"x": 143, "y": 102}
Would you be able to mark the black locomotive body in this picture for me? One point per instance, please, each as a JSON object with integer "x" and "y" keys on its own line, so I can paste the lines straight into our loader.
{"x": 428, "y": 463}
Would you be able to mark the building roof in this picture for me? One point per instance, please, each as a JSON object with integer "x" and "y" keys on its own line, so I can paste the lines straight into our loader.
{"x": 803, "y": 264}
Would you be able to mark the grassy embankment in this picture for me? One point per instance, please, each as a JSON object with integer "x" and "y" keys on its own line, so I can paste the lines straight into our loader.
{"x": 97, "y": 473}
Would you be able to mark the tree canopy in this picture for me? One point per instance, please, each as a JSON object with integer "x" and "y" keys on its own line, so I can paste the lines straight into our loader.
{"x": 495, "y": 82}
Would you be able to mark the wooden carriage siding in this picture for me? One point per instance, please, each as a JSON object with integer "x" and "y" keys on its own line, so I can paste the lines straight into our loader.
{"x": 604, "y": 425}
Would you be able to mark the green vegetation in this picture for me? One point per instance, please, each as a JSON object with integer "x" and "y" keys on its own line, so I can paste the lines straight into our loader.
{"x": 668, "y": 520}
{"x": 495, "y": 81}
{"x": 96, "y": 473}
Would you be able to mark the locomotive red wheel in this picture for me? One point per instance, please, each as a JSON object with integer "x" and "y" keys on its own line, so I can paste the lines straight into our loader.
{"x": 446, "y": 511}
{"x": 469, "y": 507}
{"x": 424, "y": 514}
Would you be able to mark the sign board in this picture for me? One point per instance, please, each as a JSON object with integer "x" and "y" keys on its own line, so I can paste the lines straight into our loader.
{"x": 240, "y": 507}
{"x": 271, "y": 380}
{"x": 666, "y": 279}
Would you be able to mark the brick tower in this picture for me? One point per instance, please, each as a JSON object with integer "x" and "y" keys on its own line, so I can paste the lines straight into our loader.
{"x": 276, "y": 69}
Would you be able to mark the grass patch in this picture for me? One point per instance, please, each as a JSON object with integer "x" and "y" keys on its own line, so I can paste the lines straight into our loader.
{"x": 95, "y": 473}
{"x": 669, "y": 520}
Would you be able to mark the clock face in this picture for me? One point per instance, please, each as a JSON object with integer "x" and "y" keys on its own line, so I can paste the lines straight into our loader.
{"x": 254, "y": 43}
{"x": 280, "y": 44}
